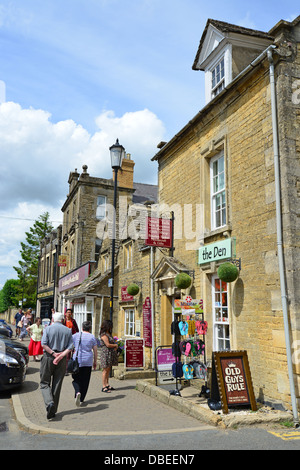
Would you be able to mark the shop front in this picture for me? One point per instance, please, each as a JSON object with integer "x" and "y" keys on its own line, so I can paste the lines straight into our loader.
{"x": 45, "y": 302}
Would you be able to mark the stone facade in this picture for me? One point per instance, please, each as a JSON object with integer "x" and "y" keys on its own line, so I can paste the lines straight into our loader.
{"x": 48, "y": 273}
{"x": 237, "y": 123}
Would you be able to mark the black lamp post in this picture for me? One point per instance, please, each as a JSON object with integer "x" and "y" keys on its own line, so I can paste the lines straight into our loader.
{"x": 117, "y": 153}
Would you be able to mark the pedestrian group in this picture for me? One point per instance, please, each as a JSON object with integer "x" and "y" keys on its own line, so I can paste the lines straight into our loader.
{"x": 57, "y": 343}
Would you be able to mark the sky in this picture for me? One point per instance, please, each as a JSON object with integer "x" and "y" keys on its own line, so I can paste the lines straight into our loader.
{"x": 75, "y": 75}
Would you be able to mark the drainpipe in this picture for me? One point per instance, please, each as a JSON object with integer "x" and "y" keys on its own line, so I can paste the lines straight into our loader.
{"x": 152, "y": 304}
{"x": 279, "y": 236}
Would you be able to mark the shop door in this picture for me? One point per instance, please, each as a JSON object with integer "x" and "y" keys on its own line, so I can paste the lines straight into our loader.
{"x": 221, "y": 330}
{"x": 46, "y": 305}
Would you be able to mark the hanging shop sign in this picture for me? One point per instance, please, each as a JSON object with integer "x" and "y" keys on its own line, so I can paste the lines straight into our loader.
{"x": 158, "y": 232}
{"x": 62, "y": 260}
{"x": 125, "y": 297}
{"x": 188, "y": 305}
{"x": 215, "y": 251}
{"x": 234, "y": 379}
{"x": 147, "y": 330}
{"x": 134, "y": 353}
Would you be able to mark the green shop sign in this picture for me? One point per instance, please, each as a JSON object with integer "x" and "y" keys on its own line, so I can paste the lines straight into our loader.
{"x": 215, "y": 251}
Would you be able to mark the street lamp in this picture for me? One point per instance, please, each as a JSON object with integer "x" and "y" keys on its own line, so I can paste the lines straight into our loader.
{"x": 117, "y": 153}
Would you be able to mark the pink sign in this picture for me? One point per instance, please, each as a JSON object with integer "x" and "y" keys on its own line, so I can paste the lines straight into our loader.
{"x": 75, "y": 278}
{"x": 125, "y": 297}
{"x": 147, "y": 330}
{"x": 159, "y": 232}
{"x": 165, "y": 359}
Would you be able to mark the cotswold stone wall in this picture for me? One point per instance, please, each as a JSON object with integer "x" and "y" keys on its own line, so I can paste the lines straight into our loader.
{"x": 239, "y": 124}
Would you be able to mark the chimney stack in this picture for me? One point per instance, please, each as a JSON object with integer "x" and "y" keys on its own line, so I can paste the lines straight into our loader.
{"x": 125, "y": 175}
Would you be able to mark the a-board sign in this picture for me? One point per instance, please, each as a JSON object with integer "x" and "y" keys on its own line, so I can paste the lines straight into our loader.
{"x": 164, "y": 361}
{"x": 234, "y": 379}
{"x": 134, "y": 353}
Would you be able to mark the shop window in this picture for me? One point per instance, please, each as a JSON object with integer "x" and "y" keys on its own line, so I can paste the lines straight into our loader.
{"x": 221, "y": 330}
{"x": 218, "y": 191}
{"x": 129, "y": 322}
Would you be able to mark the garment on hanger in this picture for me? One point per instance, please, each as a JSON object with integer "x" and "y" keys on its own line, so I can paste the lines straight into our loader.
{"x": 183, "y": 328}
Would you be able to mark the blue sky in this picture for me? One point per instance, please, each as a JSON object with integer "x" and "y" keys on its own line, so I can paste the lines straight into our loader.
{"x": 80, "y": 73}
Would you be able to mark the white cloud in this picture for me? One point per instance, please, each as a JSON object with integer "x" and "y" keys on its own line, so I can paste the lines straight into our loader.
{"x": 38, "y": 155}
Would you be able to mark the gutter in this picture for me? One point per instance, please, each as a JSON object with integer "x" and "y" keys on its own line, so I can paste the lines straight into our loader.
{"x": 281, "y": 262}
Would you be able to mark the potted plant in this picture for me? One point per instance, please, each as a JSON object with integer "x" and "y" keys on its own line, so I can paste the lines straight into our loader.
{"x": 133, "y": 289}
{"x": 228, "y": 272}
{"x": 183, "y": 281}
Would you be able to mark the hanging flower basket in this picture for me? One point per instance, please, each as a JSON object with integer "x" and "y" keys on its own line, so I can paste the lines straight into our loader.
{"x": 133, "y": 289}
{"x": 183, "y": 281}
{"x": 228, "y": 272}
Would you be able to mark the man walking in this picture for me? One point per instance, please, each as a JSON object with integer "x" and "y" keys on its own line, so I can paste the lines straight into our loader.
{"x": 57, "y": 342}
{"x": 18, "y": 317}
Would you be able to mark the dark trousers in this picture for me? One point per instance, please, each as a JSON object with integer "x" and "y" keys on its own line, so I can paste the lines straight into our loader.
{"x": 51, "y": 379}
{"x": 81, "y": 381}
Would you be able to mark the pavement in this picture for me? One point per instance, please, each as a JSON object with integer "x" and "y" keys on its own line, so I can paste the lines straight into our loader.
{"x": 137, "y": 406}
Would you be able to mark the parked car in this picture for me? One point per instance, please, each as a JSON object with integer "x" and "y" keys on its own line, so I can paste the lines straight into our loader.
{"x": 12, "y": 368}
{"x": 4, "y": 331}
{"x": 5, "y": 325}
{"x": 17, "y": 345}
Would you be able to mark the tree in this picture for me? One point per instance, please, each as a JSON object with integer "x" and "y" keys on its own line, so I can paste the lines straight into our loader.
{"x": 9, "y": 294}
{"x": 28, "y": 265}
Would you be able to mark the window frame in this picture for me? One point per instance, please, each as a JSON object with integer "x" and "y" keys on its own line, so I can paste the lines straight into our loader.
{"x": 128, "y": 255}
{"x": 129, "y": 325}
{"x": 101, "y": 206}
{"x": 221, "y": 324}
{"x": 219, "y": 193}
{"x": 220, "y": 84}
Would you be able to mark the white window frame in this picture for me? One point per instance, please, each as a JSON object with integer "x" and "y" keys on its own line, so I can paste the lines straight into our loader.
{"x": 128, "y": 255}
{"x": 221, "y": 325}
{"x": 129, "y": 322}
{"x": 218, "y": 77}
{"x": 218, "y": 190}
{"x": 105, "y": 262}
{"x": 83, "y": 311}
{"x": 226, "y": 54}
{"x": 101, "y": 207}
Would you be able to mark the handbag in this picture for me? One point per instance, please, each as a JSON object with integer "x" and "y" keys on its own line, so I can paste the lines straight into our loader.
{"x": 73, "y": 364}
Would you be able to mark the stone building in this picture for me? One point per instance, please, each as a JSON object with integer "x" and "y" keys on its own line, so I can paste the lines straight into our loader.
{"x": 86, "y": 240}
{"x": 231, "y": 176}
{"x": 48, "y": 274}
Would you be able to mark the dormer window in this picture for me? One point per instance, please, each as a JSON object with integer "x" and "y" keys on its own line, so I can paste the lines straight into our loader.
{"x": 225, "y": 50}
{"x": 218, "y": 78}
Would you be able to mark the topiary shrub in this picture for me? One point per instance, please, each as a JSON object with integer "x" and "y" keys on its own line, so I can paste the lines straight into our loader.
{"x": 133, "y": 289}
{"x": 228, "y": 272}
{"x": 183, "y": 281}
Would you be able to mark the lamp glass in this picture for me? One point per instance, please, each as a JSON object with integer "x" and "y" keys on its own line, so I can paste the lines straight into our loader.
{"x": 117, "y": 153}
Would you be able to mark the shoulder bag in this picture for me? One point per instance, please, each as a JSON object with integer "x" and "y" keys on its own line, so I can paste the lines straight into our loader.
{"x": 73, "y": 364}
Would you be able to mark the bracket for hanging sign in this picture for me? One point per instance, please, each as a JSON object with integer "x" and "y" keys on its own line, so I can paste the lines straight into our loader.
{"x": 237, "y": 262}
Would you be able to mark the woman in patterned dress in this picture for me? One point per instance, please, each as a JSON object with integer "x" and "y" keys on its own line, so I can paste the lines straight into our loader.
{"x": 108, "y": 354}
